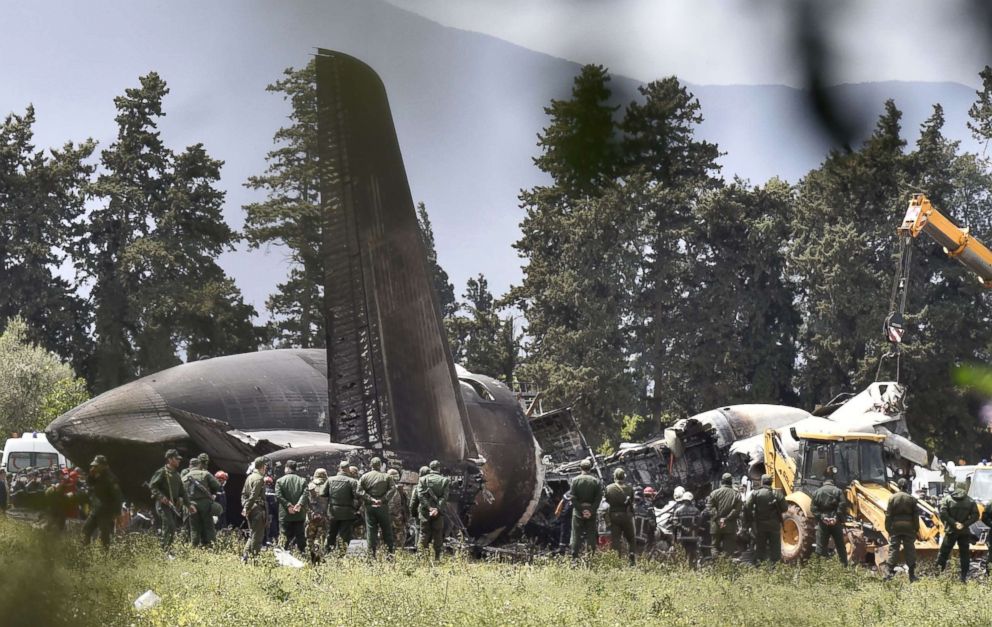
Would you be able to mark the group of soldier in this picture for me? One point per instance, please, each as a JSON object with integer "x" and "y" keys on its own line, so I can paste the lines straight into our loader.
{"x": 318, "y": 515}
{"x": 761, "y": 514}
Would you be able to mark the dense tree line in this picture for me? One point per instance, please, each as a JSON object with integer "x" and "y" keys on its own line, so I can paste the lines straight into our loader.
{"x": 142, "y": 226}
{"x": 654, "y": 287}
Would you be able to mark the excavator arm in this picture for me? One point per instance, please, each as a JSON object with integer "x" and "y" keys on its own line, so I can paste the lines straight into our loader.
{"x": 958, "y": 243}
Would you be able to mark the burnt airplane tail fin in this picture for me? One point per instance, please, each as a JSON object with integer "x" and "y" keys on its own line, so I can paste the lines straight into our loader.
{"x": 391, "y": 378}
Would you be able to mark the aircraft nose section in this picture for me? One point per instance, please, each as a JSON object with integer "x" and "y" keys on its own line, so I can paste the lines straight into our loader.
{"x": 130, "y": 425}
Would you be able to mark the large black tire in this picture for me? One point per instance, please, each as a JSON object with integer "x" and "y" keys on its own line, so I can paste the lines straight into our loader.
{"x": 798, "y": 534}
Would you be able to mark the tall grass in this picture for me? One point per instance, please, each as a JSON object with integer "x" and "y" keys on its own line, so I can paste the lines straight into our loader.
{"x": 52, "y": 580}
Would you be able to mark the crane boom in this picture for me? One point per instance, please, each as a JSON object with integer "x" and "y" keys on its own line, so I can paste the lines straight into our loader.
{"x": 958, "y": 243}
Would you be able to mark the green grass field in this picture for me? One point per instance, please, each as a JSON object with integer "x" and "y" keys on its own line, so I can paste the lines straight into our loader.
{"x": 46, "y": 580}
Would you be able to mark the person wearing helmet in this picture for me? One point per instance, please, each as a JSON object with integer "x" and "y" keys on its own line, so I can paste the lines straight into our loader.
{"x": 764, "y": 509}
{"x": 686, "y": 523}
{"x": 316, "y": 503}
{"x": 958, "y": 512}
{"x": 170, "y": 499}
{"x": 620, "y": 498}
{"x": 645, "y": 524}
{"x": 902, "y": 523}
{"x": 829, "y": 505}
{"x": 342, "y": 490}
{"x": 399, "y": 509}
{"x": 724, "y": 507}
{"x": 587, "y": 493}
{"x": 432, "y": 498}
{"x": 254, "y": 509}
{"x": 105, "y": 501}
{"x": 220, "y": 497}
{"x": 563, "y": 514}
{"x": 375, "y": 488}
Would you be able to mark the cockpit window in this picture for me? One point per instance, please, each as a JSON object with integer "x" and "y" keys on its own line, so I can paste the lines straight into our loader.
{"x": 480, "y": 389}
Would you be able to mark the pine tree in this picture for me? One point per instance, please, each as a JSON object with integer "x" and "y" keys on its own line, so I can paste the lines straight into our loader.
{"x": 489, "y": 344}
{"x": 149, "y": 250}
{"x": 443, "y": 288}
{"x": 676, "y": 169}
{"x": 574, "y": 239}
{"x": 40, "y": 197}
{"x": 842, "y": 253}
{"x": 290, "y": 216}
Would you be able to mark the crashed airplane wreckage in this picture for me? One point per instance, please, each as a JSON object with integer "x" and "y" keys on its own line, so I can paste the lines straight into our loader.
{"x": 387, "y": 385}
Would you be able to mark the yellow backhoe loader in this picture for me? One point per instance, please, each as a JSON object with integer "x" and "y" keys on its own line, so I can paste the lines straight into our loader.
{"x": 859, "y": 469}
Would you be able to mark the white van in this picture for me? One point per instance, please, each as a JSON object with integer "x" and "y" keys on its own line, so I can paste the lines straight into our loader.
{"x": 31, "y": 450}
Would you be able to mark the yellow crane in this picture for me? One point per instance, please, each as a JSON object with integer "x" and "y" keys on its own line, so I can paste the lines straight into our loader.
{"x": 958, "y": 243}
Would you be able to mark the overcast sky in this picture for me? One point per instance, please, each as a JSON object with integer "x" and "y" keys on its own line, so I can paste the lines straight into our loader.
{"x": 70, "y": 59}
{"x": 734, "y": 41}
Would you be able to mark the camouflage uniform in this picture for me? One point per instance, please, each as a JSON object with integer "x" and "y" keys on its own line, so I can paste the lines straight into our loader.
{"x": 375, "y": 488}
{"x": 432, "y": 494}
{"x": 620, "y": 498}
{"x": 316, "y": 502}
{"x": 724, "y": 508}
{"x": 200, "y": 488}
{"x": 587, "y": 492}
{"x": 166, "y": 483}
{"x": 255, "y": 509}
{"x": 764, "y": 509}
{"x": 399, "y": 510}
{"x": 957, "y": 509}
{"x": 342, "y": 490}
{"x": 829, "y": 504}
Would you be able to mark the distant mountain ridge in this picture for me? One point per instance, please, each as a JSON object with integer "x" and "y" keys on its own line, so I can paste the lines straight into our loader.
{"x": 468, "y": 107}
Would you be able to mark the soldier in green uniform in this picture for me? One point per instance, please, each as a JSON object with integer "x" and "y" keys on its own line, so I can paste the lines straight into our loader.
{"x": 375, "y": 489}
{"x": 169, "y": 496}
{"x": 105, "y": 501}
{"x": 415, "y": 504}
{"x": 620, "y": 498}
{"x": 432, "y": 499}
{"x": 200, "y": 489}
{"x": 290, "y": 492}
{"x": 958, "y": 512}
{"x": 829, "y": 506}
{"x": 316, "y": 502}
{"x": 724, "y": 509}
{"x": 902, "y": 523}
{"x": 254, "y": 509}
{"x": 764, "y": 509}
{"x": 399, "y": 510}
{"x": 342, "y": 489}
{"x": 587, "y": 493}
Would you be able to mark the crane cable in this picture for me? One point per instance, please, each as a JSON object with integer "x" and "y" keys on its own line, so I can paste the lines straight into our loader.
{"x": 894, "y": 326}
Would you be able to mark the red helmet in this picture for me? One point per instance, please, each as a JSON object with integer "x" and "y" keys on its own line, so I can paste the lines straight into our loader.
{"x": 649, "y": 491}
{"x": 221, "y": 475}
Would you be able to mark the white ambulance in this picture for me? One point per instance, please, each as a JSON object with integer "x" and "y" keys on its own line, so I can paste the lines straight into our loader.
{"x": 31, "y": 450}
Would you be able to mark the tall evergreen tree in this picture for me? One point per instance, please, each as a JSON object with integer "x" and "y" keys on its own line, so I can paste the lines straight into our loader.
{"x": 735, "y": 339}
{"x": 842, "y": 253}
{"x": 676, "y": 170}
{"x": 490, "y": 346}
{"x": 573, "y": 240}
{"x": 290, "y": 215}
{"x": 149, "y": 250}
{"x": 443, "y": 288}
{"x": 40, "y": 197}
